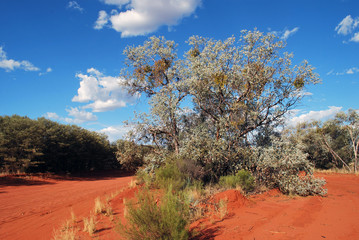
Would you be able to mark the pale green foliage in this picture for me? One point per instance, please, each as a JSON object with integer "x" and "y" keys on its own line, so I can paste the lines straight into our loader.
{"x": 234, "y": 87}
{"x": 285, "y": 166}
{"x": 156, "y": 220}
{"x": 242, "y": 178}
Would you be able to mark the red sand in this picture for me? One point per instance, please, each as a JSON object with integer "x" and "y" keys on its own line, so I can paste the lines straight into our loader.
{"x": 33, "y": 211}
{"x": 33, "y": 208}
{"x": 274, "y": 216}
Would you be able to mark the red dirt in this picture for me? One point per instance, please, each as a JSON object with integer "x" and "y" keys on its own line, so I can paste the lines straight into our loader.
{"x": 274, "y": 216}
{"x": 32, "y": 207}
{"x": 33, "y": 211}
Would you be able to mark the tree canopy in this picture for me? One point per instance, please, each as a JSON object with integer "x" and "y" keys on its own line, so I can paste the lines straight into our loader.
{"x": 213, "y": 101}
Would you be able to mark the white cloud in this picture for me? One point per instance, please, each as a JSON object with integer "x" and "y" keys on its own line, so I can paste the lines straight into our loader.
{"x": 116, "y": 132}
{"x": 288, "y": 33}
{"x": 104, "y": 93}
{"x": 80, "y": 116}
{"x": 48, "y": 70}
{"x": 77, "y": 116}
{"x": 348, "y": 71}
{"x": 52, "y": 115}
{"x": 355, "y": 38}
{"x": 312, "y": 115}
{"x": 146, "y": 16}
{"x": 75, "y": 5}
{"x": 10, "y": 64}
{"x": 119, "y": 3}
{"x": 102, "y": 20}
{"x": 347, "y": 25}
{"x": 352, "y": 70}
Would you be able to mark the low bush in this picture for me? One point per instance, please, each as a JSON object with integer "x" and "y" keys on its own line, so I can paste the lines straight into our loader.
{"x": 149, "y": 219}
{"x": 286, "y": 167}
{"x": 170, "y": 175}
{"x": 242, "y": 178}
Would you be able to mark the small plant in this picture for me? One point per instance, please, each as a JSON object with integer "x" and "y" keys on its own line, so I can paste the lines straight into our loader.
{"x": 169, "y": 175}
{"x": 108, "y": 210}
{"x": 73, "y": 217}
{"x": 67, "y": 232}
{"x": 99, "y": 206}
{"x": 222, "y": 208}
{"x": 243, "y": 178}
{"x": 284, "y": 166}
{"x": 90, "y": 224}
{"x": 152, "y": 221}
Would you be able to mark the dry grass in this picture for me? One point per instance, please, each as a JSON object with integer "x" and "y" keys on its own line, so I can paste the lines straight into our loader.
{"x": 132, "y": 184}
{"x": 90, "y": 224}
{"x": 73, "y": 217}
{"x": 66, "y": 232}
{"x": 99, "y": 206}
{"x": 222, "y": 208}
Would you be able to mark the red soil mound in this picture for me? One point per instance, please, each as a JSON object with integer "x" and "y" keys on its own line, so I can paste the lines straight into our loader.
{"x": 274, "y": 216}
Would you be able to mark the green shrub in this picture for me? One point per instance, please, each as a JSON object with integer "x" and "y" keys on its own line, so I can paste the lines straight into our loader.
{"x": 286, "y": 167}
{"x": 167, "y": 219}
{"x": 243, "y": 178}
{"x": 171, "y": 175}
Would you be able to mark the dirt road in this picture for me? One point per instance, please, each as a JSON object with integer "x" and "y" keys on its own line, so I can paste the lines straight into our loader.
{"x": 32, "y": 208}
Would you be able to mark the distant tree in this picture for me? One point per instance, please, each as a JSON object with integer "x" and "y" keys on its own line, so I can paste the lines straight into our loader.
{"x": 43, "y": 145}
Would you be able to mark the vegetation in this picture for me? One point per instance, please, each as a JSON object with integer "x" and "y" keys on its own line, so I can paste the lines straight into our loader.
{"x": 28, "y": 145}
{"x": 242, "y": 178}
{"x": 333, "y": 143}
{"x": 149, "y": 219}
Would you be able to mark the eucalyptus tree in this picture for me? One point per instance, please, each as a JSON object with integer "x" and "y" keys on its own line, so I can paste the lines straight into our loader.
{"x": 153, "y": 69}
{"x": 241, "y": 85}
{"x": 234, "y": 87}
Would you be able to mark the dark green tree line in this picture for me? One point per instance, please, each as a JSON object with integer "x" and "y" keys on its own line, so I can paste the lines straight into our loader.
{"x": 28, "y": 145}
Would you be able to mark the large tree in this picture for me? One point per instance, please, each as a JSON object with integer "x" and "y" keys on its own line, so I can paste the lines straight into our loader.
{"x": 241, "y": 85}
{"x": 238, "y": 85}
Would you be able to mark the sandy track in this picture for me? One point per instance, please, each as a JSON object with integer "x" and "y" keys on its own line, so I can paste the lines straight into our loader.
{"x": 32, "y": 209}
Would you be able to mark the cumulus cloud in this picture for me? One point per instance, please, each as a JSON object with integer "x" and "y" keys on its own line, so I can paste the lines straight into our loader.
{"x": 347, "y": 25}
{"x": 312, "y": 115}
{"x": 288, "y": 33}
{"x": 102, "y": 93}
{"x": 10, "y": 64}
{"x": 116, "y": 132}
{"x": 355, "y": 38}
{"x": 77, "y": 116}
{"x": 75, "y": 5}
{"x": 141, "y": 17}
{"x": 81, "y": 116}
{"x": 102, "y": 20}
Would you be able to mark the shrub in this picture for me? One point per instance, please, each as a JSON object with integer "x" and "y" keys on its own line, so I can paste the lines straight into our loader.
{"x": 169, "y": 175}
{"x": 90, "y": 224}
{"x": 131, "y": 155}
{"x": 286, "y": 167}
{"x": 243, "y": 178}
{"x": 151, "y": 220}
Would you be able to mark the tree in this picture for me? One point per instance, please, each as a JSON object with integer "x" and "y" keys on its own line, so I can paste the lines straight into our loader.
{"x": 233, "y": 89}
{"x": 153, "y": 69}
{"x": 350, "y": 123}
{"x": 241, "y": 86}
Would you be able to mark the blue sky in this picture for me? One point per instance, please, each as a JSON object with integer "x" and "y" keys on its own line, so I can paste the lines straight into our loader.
{"x": 61, "y": 59}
